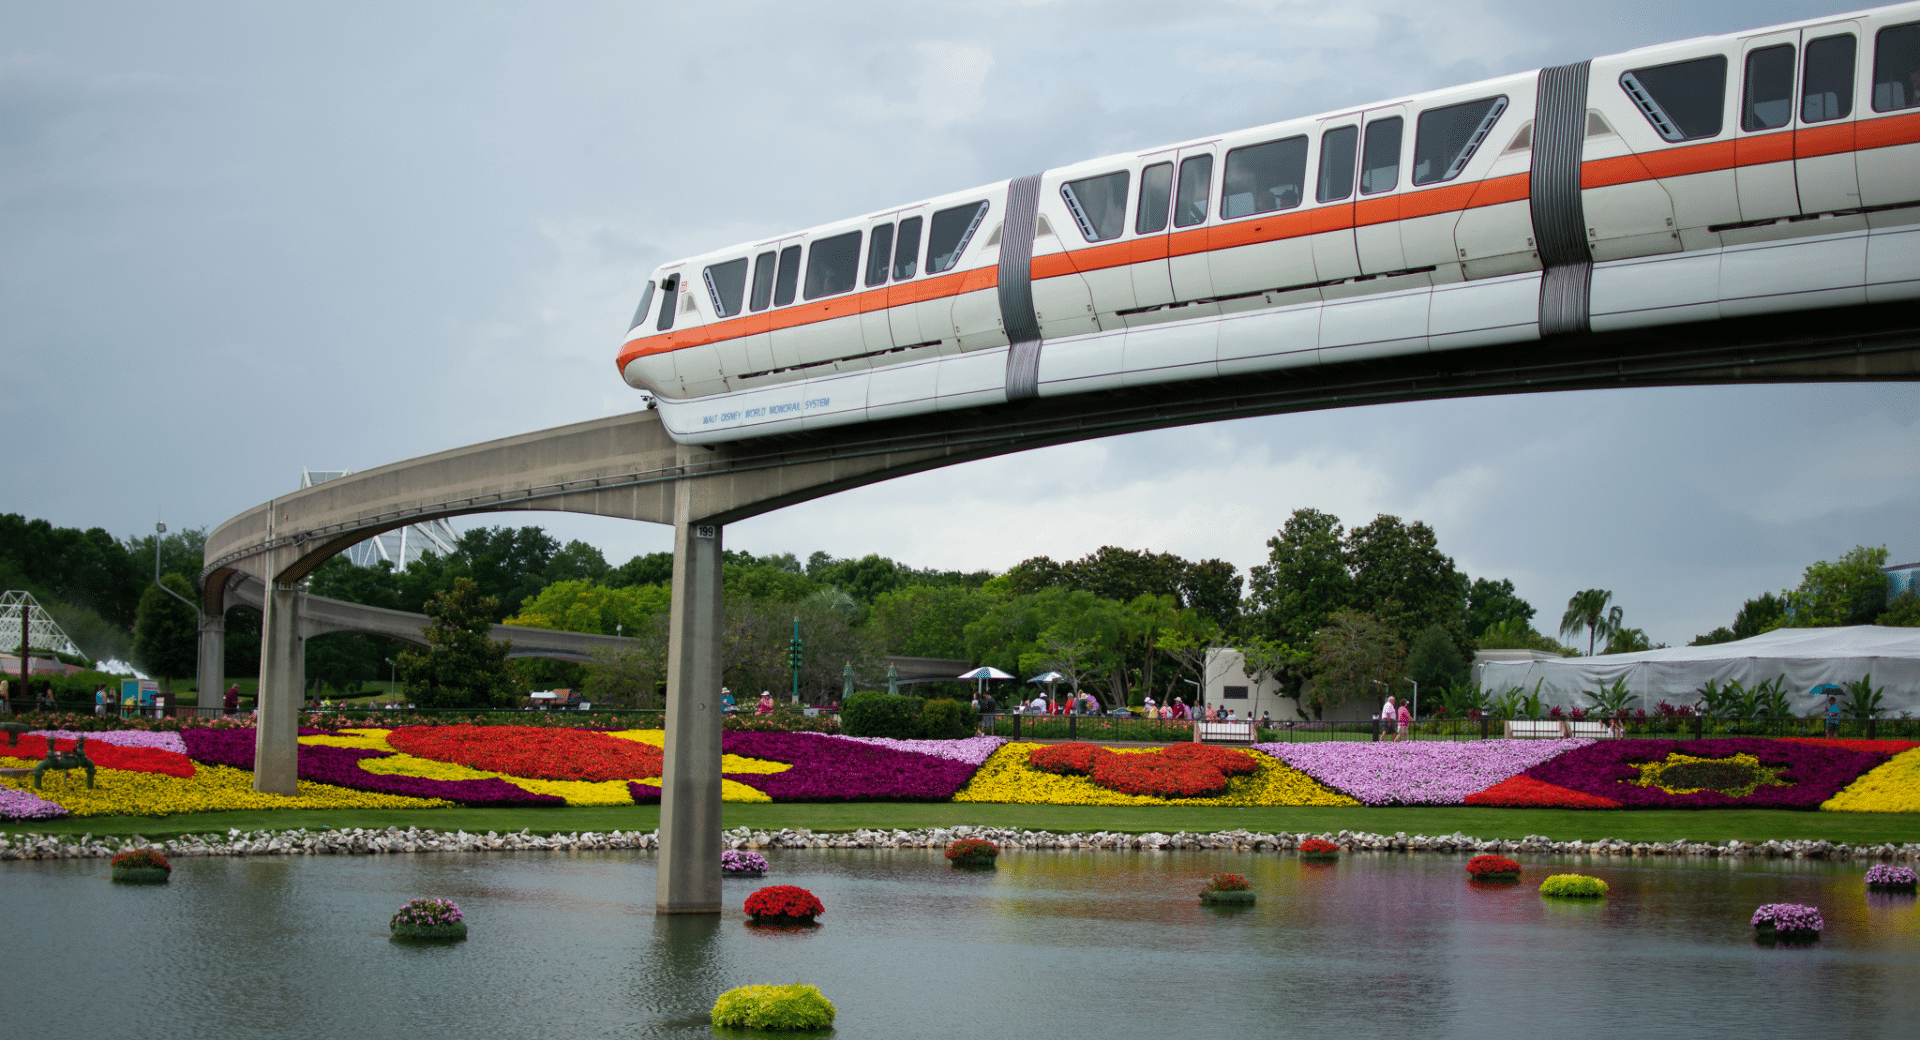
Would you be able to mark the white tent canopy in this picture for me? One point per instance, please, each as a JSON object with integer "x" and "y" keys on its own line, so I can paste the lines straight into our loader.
{"x": 1808, "y": 657}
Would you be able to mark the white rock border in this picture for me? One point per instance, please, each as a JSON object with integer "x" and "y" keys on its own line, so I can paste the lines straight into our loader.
{"x": 391, "y": 840}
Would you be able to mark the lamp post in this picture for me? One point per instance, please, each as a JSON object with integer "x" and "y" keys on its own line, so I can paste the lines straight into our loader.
{"x": 198, "y": 617}
{"x": 393, "y": 682}
{"x": 1416, "y": 698}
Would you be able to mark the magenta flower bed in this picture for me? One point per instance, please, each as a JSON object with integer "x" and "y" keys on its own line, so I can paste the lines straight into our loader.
{"x": 21, "y": 805}
{"x": 1813, "y": 772}
{"x": 341, "y": 767}
{"x": 121, "y": 738}
{"x": 1420, "y": 772}
{"x": 972, "y": 750}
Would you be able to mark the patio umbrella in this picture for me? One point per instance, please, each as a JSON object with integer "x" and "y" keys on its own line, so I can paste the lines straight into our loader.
{"x": 982, "y": 674}
{"x": 1048, "y": 679}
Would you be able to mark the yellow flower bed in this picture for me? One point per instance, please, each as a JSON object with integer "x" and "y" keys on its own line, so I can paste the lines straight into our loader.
{"x": 1893, "y": 787}
{"x": 1006, "y": 777}
{"x": 576, "y": 792}
{"x": 119, "y": 792}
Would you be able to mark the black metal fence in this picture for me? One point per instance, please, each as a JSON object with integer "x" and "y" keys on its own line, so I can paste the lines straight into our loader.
{"x": 1678, "y": 727}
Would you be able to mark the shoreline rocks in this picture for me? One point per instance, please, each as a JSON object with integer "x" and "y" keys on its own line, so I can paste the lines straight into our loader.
{"x": 396, "y": 840}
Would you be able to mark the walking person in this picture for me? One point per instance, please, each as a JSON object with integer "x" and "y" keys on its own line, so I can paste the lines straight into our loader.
{"x": 6, "y": 704}
{"x": 1833, "y": 715}
{"x": 230, "y": 704}
{"x": 1389, "y": 719}
{"x": 45, "y": 701}
{"x": 1406, "y": 722}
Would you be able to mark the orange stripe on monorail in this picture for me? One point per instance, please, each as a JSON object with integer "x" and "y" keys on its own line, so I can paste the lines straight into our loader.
{"x": 1712, "y": 156}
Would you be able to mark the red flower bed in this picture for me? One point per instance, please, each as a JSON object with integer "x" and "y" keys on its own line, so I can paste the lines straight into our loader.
{"x": 108, "y": 756}
{"x": 1524, "y": 792}
{"x": 784, "y": 903}
{"x": 1319, "y": 847}
{"x": 1885, "y": 747}
{"x": 1177, "y": 771}
{"x": 972, "y": 848}
{"x": 538, "y": 753}
{"x": 1483, "y": 866}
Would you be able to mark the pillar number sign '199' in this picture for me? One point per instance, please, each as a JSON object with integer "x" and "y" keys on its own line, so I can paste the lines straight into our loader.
{"x": 1772, "y": 170}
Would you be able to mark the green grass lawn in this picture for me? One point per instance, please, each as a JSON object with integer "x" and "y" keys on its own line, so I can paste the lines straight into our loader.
{"x": 1560, "y": 824}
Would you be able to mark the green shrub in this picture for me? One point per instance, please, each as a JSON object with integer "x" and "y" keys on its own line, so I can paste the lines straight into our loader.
{"x": 945, "y": 719}
{"x": 794, "y": 1007}
{"x": 1573, "y": 886}
{"x": 875, "y": 714}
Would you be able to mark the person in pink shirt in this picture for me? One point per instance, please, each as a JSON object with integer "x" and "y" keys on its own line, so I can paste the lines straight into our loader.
{"x": 1406, "y": 723}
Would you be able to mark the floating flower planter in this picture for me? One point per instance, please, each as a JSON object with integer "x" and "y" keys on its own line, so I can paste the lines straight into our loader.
{"x": 145, "y": 867}
{"x": 735, "y": 863}
{"x": 795, "y": 1008}
{"x": 1573, "y": 886}
{"x": 1227, "y": 890}
{"x": 1319, "y": 850}
{"x": 1887, "y": 878}
{"x": 429, "y": 920}
{"x": 784, "y": 905}
{"x": 1493, "y": 869}
{"x": 1790, "y": 923}
{"x": 972, "y": 852}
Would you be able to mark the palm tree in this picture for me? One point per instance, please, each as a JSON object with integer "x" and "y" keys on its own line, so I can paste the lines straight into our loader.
{"x": 1588, "y": 609}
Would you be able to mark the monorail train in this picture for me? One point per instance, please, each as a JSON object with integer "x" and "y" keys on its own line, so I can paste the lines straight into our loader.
{"x": 1766, "y": 171}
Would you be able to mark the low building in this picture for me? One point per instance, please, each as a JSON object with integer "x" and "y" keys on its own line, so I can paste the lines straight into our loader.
{"x": 1227, "y": 686}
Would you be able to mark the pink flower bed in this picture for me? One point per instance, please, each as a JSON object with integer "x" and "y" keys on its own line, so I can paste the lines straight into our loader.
{"x": 21, "y": 805}
{"x": 1419, "y": 772}
{"x": 121, "y": 738}
{"x": 973, "y": 750}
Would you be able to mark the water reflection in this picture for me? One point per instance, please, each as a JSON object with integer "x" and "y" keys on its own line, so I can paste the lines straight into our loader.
{"x": 1071, "y": 944}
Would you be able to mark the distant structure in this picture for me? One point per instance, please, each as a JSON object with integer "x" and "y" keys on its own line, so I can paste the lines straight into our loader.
{"x": 1902, "y": 578}
{"x": 44, "y": 634}
{"x": 399, "y": 547}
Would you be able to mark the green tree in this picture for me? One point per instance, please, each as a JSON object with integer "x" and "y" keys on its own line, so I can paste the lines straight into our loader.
{"x": 1587, "y": 609}
{"x": 1518, "y": 635}
{"x": 166, "y": 632}
{"x": 1903, "y": 611}
{"x": 1849, "y": 591}
{"x": 1304, "y": 581}
{"x": 630, "y": 675}
{"x": 462, "y": 667}
{"x": 927, "y": 620}
{"x": 649, "y": 569}
{"x": 1352, "y": 653}
{"x": 576, "y": 561}
{"x": 346, "y": 661}
{"x": 1763, "y": 613}
{"x": 1401, "y": 577}
{"x": 1723, "y": 634}
{"x": 582, "y": 606}
{"x": 1494, "y": 602}
{"x": 1434, "y": 661}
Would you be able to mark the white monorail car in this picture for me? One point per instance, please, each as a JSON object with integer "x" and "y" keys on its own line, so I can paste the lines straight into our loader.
{"x": 1766, "y": 171}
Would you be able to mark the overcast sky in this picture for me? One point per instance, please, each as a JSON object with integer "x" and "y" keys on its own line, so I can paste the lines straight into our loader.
{"x": 240, "y": 239}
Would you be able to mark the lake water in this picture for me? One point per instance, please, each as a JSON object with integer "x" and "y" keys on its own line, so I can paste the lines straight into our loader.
{"x": 1051, "y": 944}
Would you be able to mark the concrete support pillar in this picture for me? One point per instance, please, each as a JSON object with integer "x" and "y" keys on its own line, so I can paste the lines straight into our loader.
{"x": 283, "y": 670}
{"x": 689, "y": 863}
{"x": 213, "y": 659}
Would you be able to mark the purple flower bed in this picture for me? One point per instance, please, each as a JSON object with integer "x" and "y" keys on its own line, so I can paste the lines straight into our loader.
{"x": 341, "y": 767}
{"x": 1419, "y": 772}
{"x": 1790, "y": 917}
{"x": 828, "y": 769}
{"x": 120, "y": 738}
{"x": 22, "y": 805}
{"x": 1813, "y": 773}
{"x": 972, "y": 750}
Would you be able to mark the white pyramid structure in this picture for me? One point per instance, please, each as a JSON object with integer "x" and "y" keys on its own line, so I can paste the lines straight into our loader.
{"x": 41, "y": 630}
{"x": 399, "y": 547}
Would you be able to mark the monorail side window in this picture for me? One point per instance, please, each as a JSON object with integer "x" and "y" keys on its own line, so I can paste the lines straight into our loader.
{"x": 1767, "y": 101}
{"x": 762, "y": 281}
{"x": 789, "y": 277}
{"x": 952, "y": 230}
{"x": 1445, "y": 139}
{"x": 1196, "y": 188}
{"x": 726, "y": 283}
{"x": 1896, "y": 68}
{"x": 1380, "y": 159}
{"x": 833, "y": 266}
{"x": 879, "y": 255}
{"x": 1826, "y": 86}
{"x": 669, "y": 303}
{"x": 640, "y": 312}
{"x": 1685, "y": 100}
{"x": 906, "y": 258}
{"x": 1337, "y": 149}
{"x": 1262, "y": 178}
{"x": 1098, "y": 205}
{"x": 1156, "y": 190}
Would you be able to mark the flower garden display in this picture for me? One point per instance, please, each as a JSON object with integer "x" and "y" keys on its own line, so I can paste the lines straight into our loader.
{"x": 1226, "y": 889}
{"x": 1418, "y": 773}
{"x": 1885, "y": 877}
{"x": 1894, "y": 787}
{"x": 1787, "y": 923}
{"x": 738, "y": 863}
{"x": 1319, "y": 849}
{"x": 972, "y": 852}
{"x": 1493, "y": 868}
{"x": 792, "y": 1008}
{"x": 1742, "y": 772}
{"x": 784, "y": 904}
{"x": 1008, "y": 775}
{"x": 142, "y": 867}
{"x": 1524, "y": 792}
{"x": 1573, "y": 886}
{"x": 432, "y": 920}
